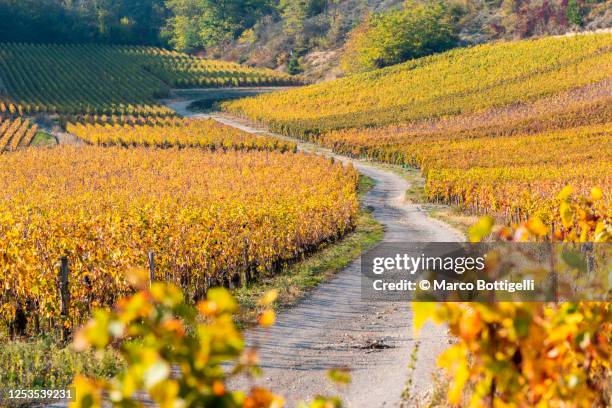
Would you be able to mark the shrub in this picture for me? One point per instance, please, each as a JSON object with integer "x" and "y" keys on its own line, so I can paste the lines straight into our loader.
{"x": 416, "y": 30}
{"x": 180, "y": 355}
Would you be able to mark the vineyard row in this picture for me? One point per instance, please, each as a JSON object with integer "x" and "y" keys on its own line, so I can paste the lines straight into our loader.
{"x": 16, "y": 133}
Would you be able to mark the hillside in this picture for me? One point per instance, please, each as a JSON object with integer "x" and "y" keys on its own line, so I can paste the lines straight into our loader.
{"x": 497, "y": 128}
{"x": 460, "y": 81}
{"x": 312, "y": 38}
{"x": 110, "y": 80}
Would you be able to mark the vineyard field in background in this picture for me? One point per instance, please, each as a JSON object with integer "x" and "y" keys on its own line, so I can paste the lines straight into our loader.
{"x": 208, "y": 134}
{"x": 509, "y": 162}
{"x": 207, "y": 216}
{"x": 112, "y": 80}
{"x": 497, "y": 128}
{"x": 460, "y": 81}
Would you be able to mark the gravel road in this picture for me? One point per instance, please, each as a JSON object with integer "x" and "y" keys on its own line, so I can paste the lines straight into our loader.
{"x": 333, "y": 327}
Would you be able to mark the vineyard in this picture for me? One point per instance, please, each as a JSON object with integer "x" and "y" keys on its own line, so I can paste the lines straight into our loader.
{"x": 112, "y": 80}
{"x": 208, "y": 217}
{"x": 16, "y": 133}
{"x": 186, "y": 71}
{"x": 208, "y": 134}
{"x": 138, "y": 224}
{"x": 460, "y": 81}
{"x": 511, "y": 162}
{"x": 491, "y": 132}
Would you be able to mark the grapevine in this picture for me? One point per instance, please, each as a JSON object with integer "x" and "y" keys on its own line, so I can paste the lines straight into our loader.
{"x": 208, "y": 134}
{"x": 210, "y": 218}
{"x": 16, "y": 133}
{"x": 112, "y": 80}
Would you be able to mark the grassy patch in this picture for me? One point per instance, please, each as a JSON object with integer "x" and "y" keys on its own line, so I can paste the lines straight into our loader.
{"x": 296, "y": 280}
{"x": 43, "y": 139}
{"x": 42, "y": 364}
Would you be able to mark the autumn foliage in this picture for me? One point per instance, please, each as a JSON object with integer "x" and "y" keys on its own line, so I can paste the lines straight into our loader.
{"x": 460, "y": 81}
{"x": 83, "y": 79}
{"x": 16, "y": 133}
{"x": 516, "y": 354}
{"x": 177, "y": 355}
{"x": 497, "y": 129}
{"x": 208, "y": 134}
{"x": 210, "y": 219}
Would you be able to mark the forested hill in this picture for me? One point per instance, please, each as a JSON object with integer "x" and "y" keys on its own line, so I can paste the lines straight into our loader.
{"x": 298, "y": 36}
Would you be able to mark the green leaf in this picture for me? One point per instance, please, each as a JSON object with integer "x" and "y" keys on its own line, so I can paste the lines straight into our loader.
{"x": 339, "y": 376}
{"x": 574, "y": 260}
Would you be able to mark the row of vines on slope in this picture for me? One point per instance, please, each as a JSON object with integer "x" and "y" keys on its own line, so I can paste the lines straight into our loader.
{"x": 98, "y": 79}
{"x": 208, "y": 134}
{"x": 508, "y": 162}
{"x": 16, "y": 133}
{"x": 210, "y": 218}
{"x": 460, "y": 81}
{"x": 497, "y": 128}
{"x": 185, "y": 71}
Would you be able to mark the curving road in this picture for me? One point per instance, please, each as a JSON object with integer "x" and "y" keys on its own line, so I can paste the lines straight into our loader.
{"x": 333, "y": 327}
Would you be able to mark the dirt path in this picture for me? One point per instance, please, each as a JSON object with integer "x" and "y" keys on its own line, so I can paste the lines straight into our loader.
{"x": 47, "y": 125}
{"x": 333, "y": 327}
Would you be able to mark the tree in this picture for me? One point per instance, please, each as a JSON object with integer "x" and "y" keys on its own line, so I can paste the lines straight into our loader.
{"x": 416, "y": 30}
{"x": 294, "y": 12}
{"x": 200, "y": 24}
{"x": 294, "y": 67}
{"x": 574, "y": 13}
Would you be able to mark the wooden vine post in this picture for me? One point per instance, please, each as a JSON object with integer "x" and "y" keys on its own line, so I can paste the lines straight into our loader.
{"x": 151, "y": 258}
{"x": 65, "y": 297}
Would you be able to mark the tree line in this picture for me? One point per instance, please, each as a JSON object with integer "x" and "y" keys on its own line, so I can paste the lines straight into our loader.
{"x": 187, "y": 25}
{"x": 83, "y": 21}
{"x": 273, "y": 33}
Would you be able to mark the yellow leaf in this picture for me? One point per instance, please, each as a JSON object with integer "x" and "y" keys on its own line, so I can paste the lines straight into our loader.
{"x": 421, "y": 312}
{"x": 455, "y": 360}
{"x": 567, "y": 215}
{"x": 87, "y": 393}
{"x": 596, "y": 193}
{"x": 267, "y": 318}
{"x": 225, "y": 302}
{"x": 565, "y": 193}
{"x": 537, "y": 227}
{"x": 481, "y": 229}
